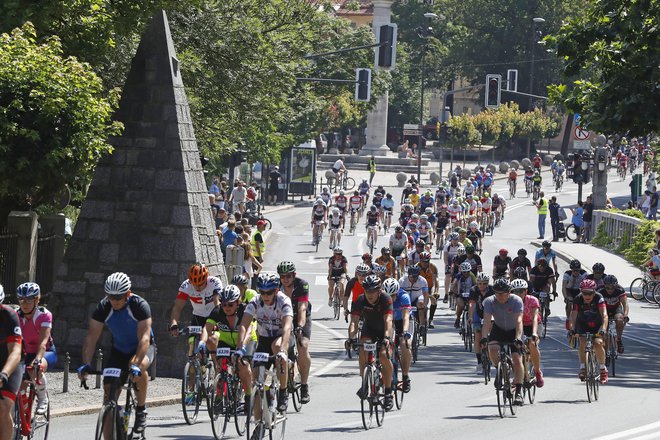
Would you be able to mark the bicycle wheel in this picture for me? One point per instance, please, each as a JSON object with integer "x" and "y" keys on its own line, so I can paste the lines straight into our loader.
{"x": 485, "y": 366}
{"x": 278, "y": 426}
{"x": 378, "y": 396}
{"x": 595, "y": 382}
{"x": 16, "y": 419}
{"x": 469, "y": 338}
{"x": 268, "y": 225}
{"x": 546, "y": 308}
{"x": 589, "y": 376}
{"x": 220, "y": 407}
{"x": 637, "y": 288}
{"x": 530, "y": 382}
{"x": 254, "y": 425}
{"x": 208, "y": 379}
{"x": 349, "y": 183}
{"x": 366, "y": 403}
{"x": 40, "y": 424}
{"x": 656, "y": 293}
{"x": 648, "y": 292}
{"x": 108, "y": 414}
{"x": 241, "y": 412}
{"x": 500, "y": 390}
{"x": 612, "y": 348}
{"x": 415, "y": 343}
{"x": 571, "y": 233}
{"x": 294, "y": 385}
{"x": 190, "y": 393}
{"x": 336, "y": 303}
{"x": 397, "y": 387}
{"x": 509, "y": 389}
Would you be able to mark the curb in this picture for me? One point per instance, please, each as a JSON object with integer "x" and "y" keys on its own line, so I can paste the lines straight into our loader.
{"x": 560, "y": 254}
{"x": 91, "y": 409}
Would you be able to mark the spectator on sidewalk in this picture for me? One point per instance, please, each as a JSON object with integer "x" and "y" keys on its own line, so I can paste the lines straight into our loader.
{"x": 372, "y": 169}
{"x": 646, "y": 202}
{"x": 578, "y": 220}
{"x": 587, "y": 219}
{"x": 273, "y": 185}
{"x": 228, "y": 234}
{"x": 542, "y": 210}
{"x": 653, "y": 206}
{"x": 553, "y": 207}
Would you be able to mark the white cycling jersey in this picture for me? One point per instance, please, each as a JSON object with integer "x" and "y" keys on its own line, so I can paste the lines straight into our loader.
{"x": 414, "y": 290}
{"x": 202, "y": 301}
{"x": 398, "y": 243}
{"x": 327, "y": 198}
{"x": 269, "y": 318}
{"x": 454, "y": 211}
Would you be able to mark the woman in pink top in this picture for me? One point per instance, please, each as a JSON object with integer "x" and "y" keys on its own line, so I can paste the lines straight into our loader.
{"x": 531, "y": 319}
{"x": 36, "y": 324}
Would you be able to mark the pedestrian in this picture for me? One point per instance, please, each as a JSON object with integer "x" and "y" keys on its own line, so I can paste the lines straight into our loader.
{"x": 587, "y": 218}
{"x": 542, "y": 210}
{"x": 274, "y": 185}
{"x": 214, "y": 189}
{"x": 646, "y": 202}
{"x": 251, "y": 265}
{"x": 553, "y": 207}
{"x": 372, "y": 169}
{"x": 228, "y": 234}
{"x": 653, "y": 206}
{"x": 258, "y": 244}
{"x": 578, "y": 220}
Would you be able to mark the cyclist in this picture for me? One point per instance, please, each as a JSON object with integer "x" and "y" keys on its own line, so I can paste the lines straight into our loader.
{"x": 571, "y": 286}
{"x": 449, "y": 253}
{"x": 379, "y": 271}
{"x": 512, "y": 180}
{"x": 462, "y": 237}
{"x": 414, "y": 199}
{"x": 36, "y": 325}
{"x": 425, "y": 229}
{"x": 355, "y": 202}
{"x": 521, "y": 260}
{"x": 468, "y": 189}
{"x": 622, "y": 161}
{"x": 363, "y": 188}
{"x": 241, "y": 282}
{"x": 401, "y": 308}
{"x": 471, "y": 257}
{"x": 319, "y": 219}
{"x": 486, "y": 205}
{"x": 597, "y": 274}
{"x": 387, "y": 204}
{"x": 418, "y": 289}
{"x": 341, "y": 202}
{"x": 550, "y": 256}
{"x": 501, "y": 264}
{"x": 202, "y": 290}
{"x": 442, "y": 220}
{"x": 503, "y": 324}
{"x": 478, "y": 294}
{"x": 337, "y": 269}
{"x": 616, "y": 302}
{"x": 406, "y": 192}
{"x": 398, "y": 244}
{"x": 499, "y": 205}
{"x": 335, "y": 223}
{"x": 519, "y": 273}
{"x": 536, "y": 182}
{"x": 273, "y": 312}
{"x": 474, "y": 235}
{"x": 373, "y": 225}
{"x": 529, "y": 174}
{"x": 455, "y": 212}
{"x": 462, "y": 284}
{"x": 387, "y": 262}
{"x": 326, "y": 196}
{"x": 297, "y": 290}
{"x": 375, "y": 308}
{"x": 589, "y": 315}
{"x": 541, "y": 277}
{"x": 414, "y": 256}
{"x": 128, "y": 317}
{"x": 377, "y": 202}
{"x": 406, "y": 214}
{"x": 222, "y": 328}
{"x": 427, "y": 201}
{"x": 339, "y": 169}
{"x": 11, "y": 369}
{"x": 354, "y": 286}
{"x": 536, "y": 161}
{"x": 531, "y": 319}
{"x": 429, "y": 272}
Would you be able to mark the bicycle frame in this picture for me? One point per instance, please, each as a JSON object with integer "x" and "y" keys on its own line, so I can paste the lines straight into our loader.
{"x": 24, "y": 404}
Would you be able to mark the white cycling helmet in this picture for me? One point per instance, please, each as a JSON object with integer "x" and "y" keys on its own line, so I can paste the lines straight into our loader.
{"x": 391, "y": 286}
{"x": 424, "y": 217}
{"x": 465, "y": 267}
{"x": 460, "y": 250}
{"x": 474, "y": 225}
{"x": 326, "y": 189}
{"x": 518, "y": 284}
{"x": 341, "y": 192}
{"x": 117, "y": 284}
{"x": 483, "y": 277}
{"x": 335, "y": 210}
{"x": 319, "y": 201}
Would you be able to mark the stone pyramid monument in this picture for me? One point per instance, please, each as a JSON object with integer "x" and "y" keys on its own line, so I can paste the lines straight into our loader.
{"x": 147, "y": 211}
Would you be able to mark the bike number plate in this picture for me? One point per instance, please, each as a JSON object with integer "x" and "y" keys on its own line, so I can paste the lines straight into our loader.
{"x": 223, "y": 351}
{"x": 466, "y": 294}
{"x": 369, "y": 347}
{"x": 543, "y": 294}
{"x": 111, "y": 372}
{"x": 195, "y": 330}
{"x": 260, "y": 357}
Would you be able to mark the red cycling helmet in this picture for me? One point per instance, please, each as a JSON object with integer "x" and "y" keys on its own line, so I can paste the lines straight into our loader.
{"x": 366, "y": 256}
{"x": 504, "y": 252}
{"x": 588, "y": 285}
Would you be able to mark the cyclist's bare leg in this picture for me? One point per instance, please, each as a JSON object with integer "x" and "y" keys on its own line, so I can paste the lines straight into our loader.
{"x": 304, "y": 359}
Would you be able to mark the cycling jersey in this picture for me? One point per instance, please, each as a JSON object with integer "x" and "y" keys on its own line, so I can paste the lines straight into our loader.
{"x": 228, "y": 334}
{"x": 501, "y": 265}
{"x": 589, "y": 319}
{"x": 513, "y": 175}
{"x": 327, "y": 198}
{"x": 269, "y": 317}
{"x": 442, "y": 221}
{"x": 530, "y": 304}
{"x": 388, "y": 262}
{"x": 572, "y": 283}
{"x": 413, "y": 258}
{"x": 549, "y": 257}
{"x": 537, "y": 162}
{"x": 425, "y": 202}
{"x": 536, "y": 180}
{"x": 319, "y": 212}
{"x": 355, "y": 201}
{"x": 10, "y": 331}
{"x": 335, "y": 221}
{"x": 454, "y": 211}
{"x": 540, "y": 279}
{"x": 202, "y": 301}
{"x": 341, "y": 201}
{"x": 337, "y": 265}
{"x": 612, "y": 300}
{"x": 477, "y": 298}
{"x": 475, "y": 261}
{"x": 424, "y": 228}
{"x": 377, "y": 200}
{"x": 505, "y": 314}
{"x": 123, "y": 324}
{"x": 353, "y": 289}
{"x": 300, "y": 294}
{"x": 486, "y": 203}
{"x": 405, "y": 217}
{"x": 468, "y": 189}
{"x": 466, "y": 284}
{"x": 363, "y": 188}
{"x": 387, "y": 204}
{"x": 430, "y": 274}
{"x": 380, "y": 191}
{"x": 373, "y": 315}
{"x": 521, "y": 262}
{"x": 372, "y": 218}
{"x": 398, "y": 244}
{"x": 416, "y": 290}
{"x": 414, "y": 199}
{"x": 31, "y": 328}
{"x": 474, "y": 235}
{"x": 401, "y": 303}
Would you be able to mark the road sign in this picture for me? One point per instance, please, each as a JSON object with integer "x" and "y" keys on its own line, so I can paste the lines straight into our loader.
{"x": 581, "y": 145}
{"x": 415, "y": 132}
{"x": 412, "y": 127}
{"x": 581, "y": 134}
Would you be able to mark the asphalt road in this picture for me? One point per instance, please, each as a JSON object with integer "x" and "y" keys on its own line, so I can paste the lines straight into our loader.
{"x": 448, "y": 399}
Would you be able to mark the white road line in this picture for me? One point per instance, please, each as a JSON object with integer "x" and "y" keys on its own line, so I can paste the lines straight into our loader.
{"x": 321, "y": 280}
{"x": 340, "y": 357}
{"x": 633, "y": 432}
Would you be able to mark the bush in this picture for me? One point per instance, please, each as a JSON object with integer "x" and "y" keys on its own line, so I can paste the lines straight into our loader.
{"x": 629, "y": 212}
{"x": 643, "y": 241}
{"x": 601, "y": 238}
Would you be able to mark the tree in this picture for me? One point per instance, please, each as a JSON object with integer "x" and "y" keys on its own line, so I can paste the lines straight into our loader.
{"x": 610, "y": 65}
{"x": 55, "y": 118}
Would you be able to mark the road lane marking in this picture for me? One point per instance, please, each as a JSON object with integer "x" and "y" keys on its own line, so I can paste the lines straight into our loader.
{"x": 340, "y": 357}
{"x": 632, "y": 432}
{"x": 321, "y": 280}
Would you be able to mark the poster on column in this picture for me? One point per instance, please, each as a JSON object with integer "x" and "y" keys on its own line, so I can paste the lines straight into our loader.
{"x": 303, "y": 169}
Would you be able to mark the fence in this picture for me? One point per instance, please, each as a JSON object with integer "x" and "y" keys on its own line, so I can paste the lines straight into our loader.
{"x": 620, "y": 228}
{"x": 45, "y": 276}
{"x": 8, "y": 243}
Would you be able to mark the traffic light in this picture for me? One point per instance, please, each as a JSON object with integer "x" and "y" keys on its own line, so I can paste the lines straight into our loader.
{"x": 386, "y": 53}
{"x": 577, "y": 169}
{"x": 363, "y": 85}
{"x": 493, "y": 90}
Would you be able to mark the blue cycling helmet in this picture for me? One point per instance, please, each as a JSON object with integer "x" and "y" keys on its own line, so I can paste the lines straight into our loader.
{"x": 28, "y": 290}
{"x": 268, "y": 281}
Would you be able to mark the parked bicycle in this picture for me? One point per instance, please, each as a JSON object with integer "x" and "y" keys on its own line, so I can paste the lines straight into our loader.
{"x": 645, "y": 288}
{"x": 198, "y": 376}
{"x": 27, "y": 423}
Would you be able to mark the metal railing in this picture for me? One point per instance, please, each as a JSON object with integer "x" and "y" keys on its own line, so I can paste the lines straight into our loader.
{"x": 8, "y": 242}
{"x": 620, "y": 228}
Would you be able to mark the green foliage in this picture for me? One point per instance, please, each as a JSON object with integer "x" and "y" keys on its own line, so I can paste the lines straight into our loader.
{"x": 610, "y": 65}
{"x": 55, "y": 118}
{"x": 629, "y": 212}
{"x": 643, "y": 241}
{"x": 601, "y": 238}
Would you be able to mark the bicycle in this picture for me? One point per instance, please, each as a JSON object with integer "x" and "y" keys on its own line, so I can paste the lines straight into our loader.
{"x": 466, "y": 329}
{"x": 611, "y": 352}
{"x": 354, "y": 219}
{"x": 387, "y": 221}
{"x": 512, "y": 189}
{"x": 27, "y": 423}
{"x": 317, "y": 233}
{"x": 559, "y": 183}
{"x": 528, "y": 186}
{"x": 336, "y": 299}
{"x": 397, "y": 375}
{"x": 335, "y": 237}
{"x": 227, "y": 400}
{"x": 418, "y": 334}
{"x": 529, "y": 374}
{"x": 621, "y": 171}
{"x": 503, "y": 385}
{"x": 294, "y": 383}
{"x": 544, "y": 309}
{"x": 644, "y": 287}
{"x": 535, "y": 192}
{"x": 263, "y": 401}
{"x": 345, "y": 182}
{"x": 572, "y": 233}
{"x": 372, "y": 391}
{"x": 115, "y": 421}
{"x": 372, "y": 236}
{"x": 592, "y": 375}
{"x": 485, "y": 365}
{"x": 201, "y": 373}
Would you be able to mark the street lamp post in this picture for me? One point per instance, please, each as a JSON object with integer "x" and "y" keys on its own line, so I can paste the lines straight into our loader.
{"x": 535, "y": 21}
{"x": 423, "y": 34}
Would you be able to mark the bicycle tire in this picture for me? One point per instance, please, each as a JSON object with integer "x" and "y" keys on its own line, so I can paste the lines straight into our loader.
{"x": 500, "y": 390}
{"x": 377, "y": 396}
{"x": 589, "y": 376}
{"x": 648, "y": 291}
{"x": 571, "y": 233}
{"x": 191, "y": 410}
{"x": 16, "y": 420}
{"x": 655, "y": 295}
{"x": 294, "y": 388}
{"x": 612, "y": 347}
{"x": 106, "y": 410}
{"x": 469, "y": 338}
{"x": 423, "y": 332}
{"x": 278, "y": 427}
{"x": 260, "y": 397}
{"x": 595, "y": 383}
{"x": 349, "y": 184}
{"x": 485, "y": 365}
{"x": 40, "y": 425}
{"x": 207, "y": 385}
{"x": 508, "y": 388}
{"x": 220, "y": 407}
{"x": 397, "y": 387}
{"x": 637, "y": 288}
{"x": 268, "y": 225}
{"x": 366, "y": 405}
{"x": 530, "y": 386}
{"x": 335, "y": 302}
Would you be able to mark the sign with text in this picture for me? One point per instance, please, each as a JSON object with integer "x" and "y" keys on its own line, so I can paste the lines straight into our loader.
{"x": 302, "y": 170}
{"x": 581, "y": 145}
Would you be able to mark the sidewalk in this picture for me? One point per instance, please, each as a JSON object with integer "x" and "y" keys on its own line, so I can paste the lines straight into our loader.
{"x": 588, "y": 255}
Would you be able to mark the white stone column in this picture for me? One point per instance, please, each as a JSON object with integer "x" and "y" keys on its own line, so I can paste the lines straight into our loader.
{"x": 376, "y": 144}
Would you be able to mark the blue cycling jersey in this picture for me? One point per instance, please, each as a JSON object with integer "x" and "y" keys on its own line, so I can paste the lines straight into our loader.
{"x": 402, "y": 302}
{"x": 387, "y": 203}
{"x": 123, "y": 323}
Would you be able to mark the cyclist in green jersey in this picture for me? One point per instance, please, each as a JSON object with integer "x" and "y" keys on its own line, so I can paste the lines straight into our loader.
{"x": 241, "y": 282}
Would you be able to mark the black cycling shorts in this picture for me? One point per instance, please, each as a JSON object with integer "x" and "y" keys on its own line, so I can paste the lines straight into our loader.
{"x": 503, "y": 337}
{"x": 10, "y": 389}
{"x": 372, "y": 334}
{"x": 122, "y": 360}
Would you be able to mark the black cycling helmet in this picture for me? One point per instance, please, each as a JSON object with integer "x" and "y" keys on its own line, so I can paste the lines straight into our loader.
{"x": 420, "y": 242}
{"x": 239, "y": 280}
{"x": 598, "y": 268}
{"x": 414, "y": 271}
{"x": 575, "y": 265}
{"x": 522, "y": 252}
{"x": 610, "y": 280}
{"x": 398, "y": 228}
{"x": 385, "y": 250}
{"x": 546, "y": 243}
{"x": 502, "y": 285}
{"x": 520, "y": 272}
{"x": 469, "y": 249}
{"x": 372, "y": 282}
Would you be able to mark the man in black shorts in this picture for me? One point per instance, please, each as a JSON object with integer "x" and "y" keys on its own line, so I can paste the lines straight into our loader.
{"x": 376, "y": 310}
{"x": 10, "y": 363}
